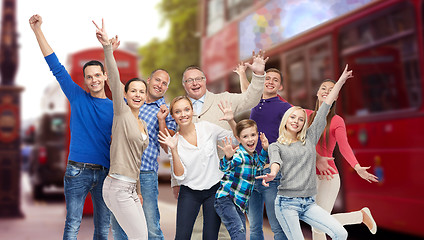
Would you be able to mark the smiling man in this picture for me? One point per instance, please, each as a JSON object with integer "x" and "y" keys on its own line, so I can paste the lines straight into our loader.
{"x": 91, "y": 124}
{"x": 156, "y": 114}
{"x": 205, "y": 106}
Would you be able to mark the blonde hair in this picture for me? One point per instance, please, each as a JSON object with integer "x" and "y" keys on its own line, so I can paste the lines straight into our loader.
{"x": 283, "y": 137}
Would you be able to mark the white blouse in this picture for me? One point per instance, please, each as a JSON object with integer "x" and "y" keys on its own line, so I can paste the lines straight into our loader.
{"x": 201, "y": 163}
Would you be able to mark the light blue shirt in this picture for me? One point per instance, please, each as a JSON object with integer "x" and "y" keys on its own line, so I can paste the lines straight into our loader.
{"x": 198, "y": 104}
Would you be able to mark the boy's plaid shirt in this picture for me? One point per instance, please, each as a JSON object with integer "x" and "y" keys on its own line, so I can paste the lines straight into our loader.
{"x": 148, "y": 113}
{"x": 239, "y": 177}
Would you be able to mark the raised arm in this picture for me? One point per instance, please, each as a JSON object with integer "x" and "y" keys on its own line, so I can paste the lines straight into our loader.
{"x": 339, "y": 84}
{"x": 241, "y": 72}
{"x": 35, "y": 22}
{"x": 250, "y": 98}
{"x": 225, "y": 107}
{"x": 161, "y": 115}
{"x": 113, "y": 73}
{"x": 172, "y": 142}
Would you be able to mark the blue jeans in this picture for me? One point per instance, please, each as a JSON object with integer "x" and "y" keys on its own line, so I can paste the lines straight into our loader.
{"x": 78, "y": 182}
{"x": 290, "y": 209}
{"x": 189, "y": 202}
{"x": 149, "y": 192}
{"x": 232, "y": 217}
{"x": 259, "y": 196}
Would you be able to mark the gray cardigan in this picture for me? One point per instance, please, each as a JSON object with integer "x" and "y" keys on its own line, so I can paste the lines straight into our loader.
{"x": 297, "y": 161}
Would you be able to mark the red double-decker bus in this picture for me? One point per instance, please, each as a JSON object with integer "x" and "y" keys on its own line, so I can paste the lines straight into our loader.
{"x": 382, "y": 41}
{"x": 127, "y": 65}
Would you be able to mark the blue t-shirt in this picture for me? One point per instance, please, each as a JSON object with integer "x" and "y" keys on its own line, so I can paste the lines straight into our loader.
{"x": 90, "y": 122}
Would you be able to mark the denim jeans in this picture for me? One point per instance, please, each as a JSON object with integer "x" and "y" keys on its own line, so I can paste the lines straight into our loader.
{"x": 259, "y": 196}
{"x": 149, "y": 192}
{"x": 189, "y": 202}
{"x": 78, "y": 182}
{"x": 232, "y": 217}
{"x": 289, "y": 210}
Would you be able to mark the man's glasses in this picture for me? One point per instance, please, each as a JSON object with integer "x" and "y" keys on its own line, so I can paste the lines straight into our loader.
{"x": 191, "y": 80}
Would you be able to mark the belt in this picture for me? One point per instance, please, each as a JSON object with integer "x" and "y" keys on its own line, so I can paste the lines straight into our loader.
{"x": 87, "y": 165}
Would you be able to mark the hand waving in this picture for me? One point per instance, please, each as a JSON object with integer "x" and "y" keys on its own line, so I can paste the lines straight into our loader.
{"x": 225, "y": 107}
{"x": 264, "y": 141}
{"x": 240, "y": 69}
{"x": 228, "y": 148}
{"x": 166, "y": 138}
{"x": 101, "y": 34}
{"x": 258, "y": 64}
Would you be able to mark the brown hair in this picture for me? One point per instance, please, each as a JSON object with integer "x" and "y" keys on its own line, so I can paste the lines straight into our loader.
{"x": 276, "y": 71}
{"x": 330, "y": 116}
{"x": 178, "y": 98}
{"x": 243, "y": 124}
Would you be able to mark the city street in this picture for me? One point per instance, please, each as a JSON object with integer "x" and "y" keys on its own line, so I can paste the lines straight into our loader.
{"x": 44, "y": 219}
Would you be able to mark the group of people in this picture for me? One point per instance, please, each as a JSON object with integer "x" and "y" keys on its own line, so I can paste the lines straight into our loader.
{"x": 281, "y": 157}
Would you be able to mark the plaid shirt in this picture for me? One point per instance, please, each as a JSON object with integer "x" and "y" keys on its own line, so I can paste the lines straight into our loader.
{"x": 148, "y": 113}
{"x": 239, "y": 177}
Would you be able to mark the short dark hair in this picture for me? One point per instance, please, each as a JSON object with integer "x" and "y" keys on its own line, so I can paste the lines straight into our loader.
{"x": 127, "y": 85}
{"x": 243, "y": 124}
{"x": 93, "y": 63}
{"x": 276, "y": 71}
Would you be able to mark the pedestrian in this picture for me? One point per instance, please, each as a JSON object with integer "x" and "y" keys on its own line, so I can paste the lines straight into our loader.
{"x": 195, "y": 165}
{"x": 239, "y": 166}
{"x": 294, "y": 155}
{"x": 121, "y": 188}
{"x": 328, "y": 181}
{"x": 91, "y": 123}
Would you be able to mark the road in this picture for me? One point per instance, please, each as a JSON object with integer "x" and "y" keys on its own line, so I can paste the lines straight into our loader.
{"x": 44, "y": 219}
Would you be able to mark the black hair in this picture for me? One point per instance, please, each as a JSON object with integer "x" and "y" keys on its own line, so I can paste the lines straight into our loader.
{"x": 93, "y": 63}
{"x": 133, "y": 80}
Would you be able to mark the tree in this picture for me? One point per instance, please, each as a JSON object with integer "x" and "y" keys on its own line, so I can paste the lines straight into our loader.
{"x": 180, "y": 49}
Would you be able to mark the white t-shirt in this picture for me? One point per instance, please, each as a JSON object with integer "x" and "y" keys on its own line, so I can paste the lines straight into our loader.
{"x": 201, "y": 162}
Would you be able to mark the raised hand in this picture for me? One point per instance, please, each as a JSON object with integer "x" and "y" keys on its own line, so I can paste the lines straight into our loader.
{"x": 163, "y": 112}
{"x": 225, "y": 107}
{"x": 240, "y": 69}
{"x": 258, "y": 64}
{"x": 346, "y": 74}
{"x": 35, "y": 21}
{"x": 264, "y": 141}
{"x": 324, "y": 168}
{"x": 101, "y": 34}
{"x": 115, "y": 42}
{"x": 363, "y": 173}
{"x": 228, "y": 148}
{"x": 166, "y": 138}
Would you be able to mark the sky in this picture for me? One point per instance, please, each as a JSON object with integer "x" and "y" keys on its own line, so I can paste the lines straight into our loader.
{"x": 68, "y": 28}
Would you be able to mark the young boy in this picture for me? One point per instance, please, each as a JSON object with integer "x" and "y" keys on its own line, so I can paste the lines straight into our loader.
{"x": 231, "y": 199}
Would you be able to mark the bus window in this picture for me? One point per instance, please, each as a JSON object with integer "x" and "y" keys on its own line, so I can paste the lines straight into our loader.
{"x": 297, "y": 76}
{"x": 235, "y": 7}
{"x": 384, "y": 61}
{"x": 215, "y": 16}
{"x": 321, "y": 64}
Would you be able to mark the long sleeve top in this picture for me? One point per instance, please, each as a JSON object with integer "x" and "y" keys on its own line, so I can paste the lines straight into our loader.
{"x": 127, "y": 141}
{"x": 201, "y": 162}
{"x": 90, "y": 122}
{"x": 297, "y": 161}
{"x": 337, "y": 134}
{"x": 239, "y": 176}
